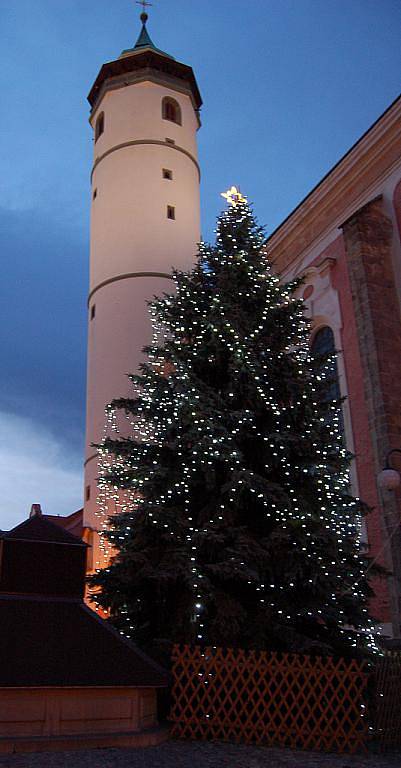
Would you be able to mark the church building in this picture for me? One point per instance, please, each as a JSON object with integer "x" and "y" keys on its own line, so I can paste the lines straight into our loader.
{"x": 343, "y": 238}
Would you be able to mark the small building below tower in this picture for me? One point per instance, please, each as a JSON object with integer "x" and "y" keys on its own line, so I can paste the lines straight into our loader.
{"x": 67, "y": 679}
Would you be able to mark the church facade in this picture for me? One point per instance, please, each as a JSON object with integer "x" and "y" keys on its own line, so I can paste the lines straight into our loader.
{"x": 343, "y": 238}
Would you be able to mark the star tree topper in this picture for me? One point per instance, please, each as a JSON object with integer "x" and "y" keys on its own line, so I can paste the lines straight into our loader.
{"x": 233, "y": 196}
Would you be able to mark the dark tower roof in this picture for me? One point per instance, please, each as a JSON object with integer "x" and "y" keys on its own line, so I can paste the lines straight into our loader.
{"x": 146, "y": 62}
{"x": 144, "y": 41}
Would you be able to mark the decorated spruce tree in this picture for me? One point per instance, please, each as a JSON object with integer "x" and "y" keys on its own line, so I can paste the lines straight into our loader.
{"x": 238, "y": 527}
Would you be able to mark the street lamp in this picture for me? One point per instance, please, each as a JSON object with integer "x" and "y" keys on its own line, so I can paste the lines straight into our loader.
{"x": 389, "y": 479}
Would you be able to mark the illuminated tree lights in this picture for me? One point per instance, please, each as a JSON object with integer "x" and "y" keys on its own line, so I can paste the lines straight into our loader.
{"x": 234, "y": 522}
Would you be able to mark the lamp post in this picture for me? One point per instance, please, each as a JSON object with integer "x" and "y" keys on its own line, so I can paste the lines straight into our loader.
{"x": 389, "y": 479}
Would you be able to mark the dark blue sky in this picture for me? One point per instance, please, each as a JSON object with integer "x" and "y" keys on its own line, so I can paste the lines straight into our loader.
{"x": 288, "y": 87}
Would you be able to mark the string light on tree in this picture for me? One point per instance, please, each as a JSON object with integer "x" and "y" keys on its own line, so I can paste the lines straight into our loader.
{"x": 234, "y": 524}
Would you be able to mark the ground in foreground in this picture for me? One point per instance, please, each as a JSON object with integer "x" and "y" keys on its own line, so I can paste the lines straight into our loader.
{"x": 175, "y": 754}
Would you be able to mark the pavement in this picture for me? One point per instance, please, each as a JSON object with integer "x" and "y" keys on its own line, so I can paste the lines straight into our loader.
{"x": 178, "y": 754}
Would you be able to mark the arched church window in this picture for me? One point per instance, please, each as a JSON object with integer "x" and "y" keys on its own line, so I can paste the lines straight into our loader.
{"x": 323, "y": 344}
{"x": 99, "y": 127}
{"x": 171, "y": 110}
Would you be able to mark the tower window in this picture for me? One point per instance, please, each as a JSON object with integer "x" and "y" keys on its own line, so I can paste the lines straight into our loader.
{"x": 167, "y": 174}
{"x": 99, "y": 127}
{"x": 93, "y": 311}
{"x": 94, "y": 194}
{"x": 87, "y": 493}
{"x": 171, "y": 110}
{"x": 170, "y": 212}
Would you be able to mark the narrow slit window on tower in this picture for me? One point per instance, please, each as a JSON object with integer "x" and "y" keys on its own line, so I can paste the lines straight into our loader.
{"x": 99, "y": 127}
{"x": 93, "y": 311}
{"x": 87, "y": 493}
{"x": 94, "y": 194}
{"x": 167, "y": 174}
{"x": 171, "y": 110}
{"x": 170, "y": 212}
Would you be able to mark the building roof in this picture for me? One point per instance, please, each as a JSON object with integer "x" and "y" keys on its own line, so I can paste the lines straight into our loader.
{"x": 72, "y": 523}
{"x": 50, "y": 642}
{"x": 145, "y": 61}
{"x": 144, "y": 40}
{"x": 40, "y": 528}
{"x": 50, "y": 637}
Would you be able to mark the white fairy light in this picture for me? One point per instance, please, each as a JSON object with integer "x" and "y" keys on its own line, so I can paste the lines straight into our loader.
{"x": 190, "y": 330}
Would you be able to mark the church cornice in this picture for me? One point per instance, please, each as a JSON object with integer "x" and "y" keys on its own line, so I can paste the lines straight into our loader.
{"x": 331, "y": 201}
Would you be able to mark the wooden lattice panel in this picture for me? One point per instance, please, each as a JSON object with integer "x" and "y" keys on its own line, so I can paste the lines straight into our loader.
{"x": 388, "y": 701}
{"x": 269, "y": 698}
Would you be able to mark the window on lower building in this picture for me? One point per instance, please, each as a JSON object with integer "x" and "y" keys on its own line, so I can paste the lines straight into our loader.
{"x": 167, "y": 174}
{"x": 170, "y": 212}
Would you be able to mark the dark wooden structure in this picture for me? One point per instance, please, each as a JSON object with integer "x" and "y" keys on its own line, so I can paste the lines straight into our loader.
{"x": 68, "y": 680}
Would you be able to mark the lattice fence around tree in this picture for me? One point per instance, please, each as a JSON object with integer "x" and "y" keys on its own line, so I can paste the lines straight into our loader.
{"x": 388, "y": 701}
{"x": 269, "y": 698}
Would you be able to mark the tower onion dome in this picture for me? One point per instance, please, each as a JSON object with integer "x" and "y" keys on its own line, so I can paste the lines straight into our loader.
{"x": 144, "y": 62}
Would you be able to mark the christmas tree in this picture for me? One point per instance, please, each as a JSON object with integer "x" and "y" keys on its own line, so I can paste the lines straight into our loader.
{"x": 237, "y": 525}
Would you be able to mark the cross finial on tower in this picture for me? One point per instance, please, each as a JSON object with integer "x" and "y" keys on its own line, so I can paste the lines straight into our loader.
{"x": 144, "y": 15}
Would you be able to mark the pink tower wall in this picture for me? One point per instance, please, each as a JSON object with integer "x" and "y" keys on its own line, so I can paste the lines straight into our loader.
{"x": 133, "y": 244}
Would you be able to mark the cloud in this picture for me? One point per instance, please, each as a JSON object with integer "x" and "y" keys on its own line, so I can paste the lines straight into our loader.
{"x": 35, "y": 467}
{"x": 44, "y": 318}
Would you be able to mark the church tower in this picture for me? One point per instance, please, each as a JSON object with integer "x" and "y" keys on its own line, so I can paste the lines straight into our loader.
{"x": 145, "y": 218}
